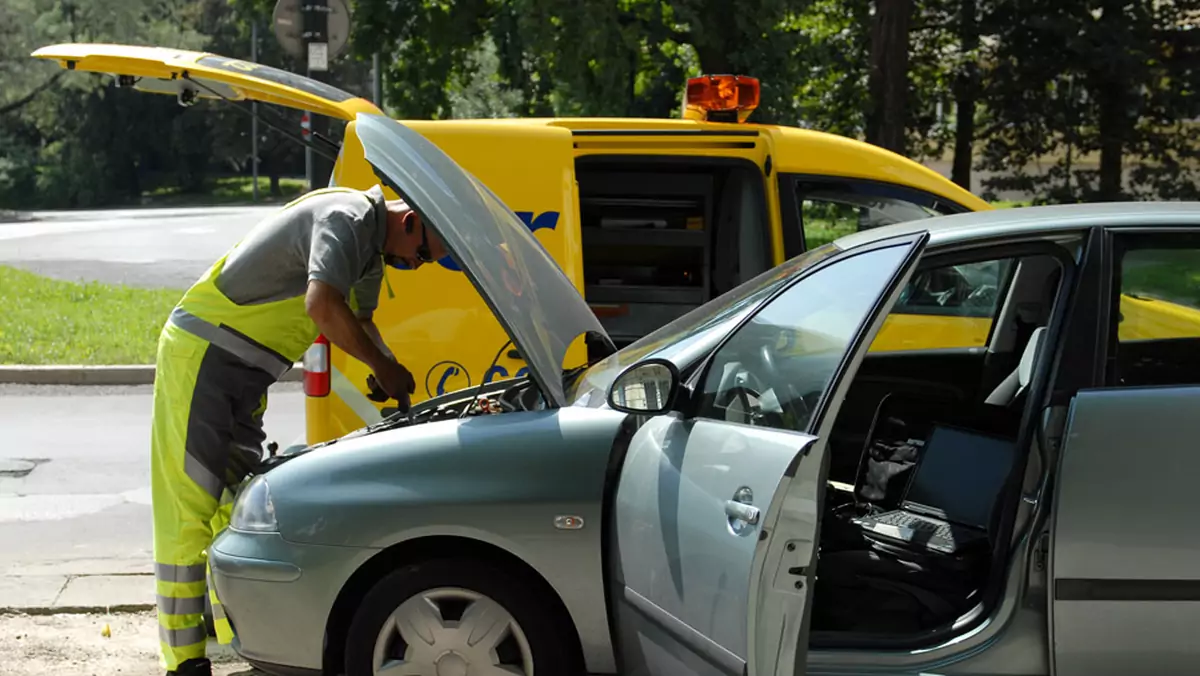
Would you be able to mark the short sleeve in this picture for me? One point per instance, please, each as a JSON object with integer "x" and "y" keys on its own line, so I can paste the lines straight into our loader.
{"x": 338, "y": 254}
{"x": 366, "y": 291}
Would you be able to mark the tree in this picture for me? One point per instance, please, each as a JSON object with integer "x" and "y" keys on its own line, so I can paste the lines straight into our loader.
{"x": 1075, "y": 82}
{"x": 966, "y": 92}
{"x": 587, "y": 57}
{"x": 887, "y": 117}
{"x": 75, "y": 141}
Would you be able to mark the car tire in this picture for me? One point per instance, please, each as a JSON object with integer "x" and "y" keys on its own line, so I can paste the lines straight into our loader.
{"x": 445, "y": 605}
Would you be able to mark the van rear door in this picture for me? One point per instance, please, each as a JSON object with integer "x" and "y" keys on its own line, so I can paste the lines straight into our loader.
{"x": 201, "y": 75}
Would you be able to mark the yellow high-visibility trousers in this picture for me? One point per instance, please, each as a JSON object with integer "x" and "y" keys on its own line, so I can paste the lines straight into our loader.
{"x": 205, "y": 435}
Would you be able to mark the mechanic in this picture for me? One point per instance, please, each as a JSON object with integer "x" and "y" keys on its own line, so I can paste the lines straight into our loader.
{"x": 314, "y": 266}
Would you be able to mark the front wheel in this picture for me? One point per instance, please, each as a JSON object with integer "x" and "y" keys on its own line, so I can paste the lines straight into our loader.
{"x": 456, "y": 616}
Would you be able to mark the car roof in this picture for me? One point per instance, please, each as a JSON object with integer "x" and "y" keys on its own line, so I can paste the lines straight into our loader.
{"x": 1042, "y": 220}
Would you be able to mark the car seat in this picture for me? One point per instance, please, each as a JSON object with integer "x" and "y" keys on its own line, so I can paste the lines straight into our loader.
{"x": 1009, "y": 391}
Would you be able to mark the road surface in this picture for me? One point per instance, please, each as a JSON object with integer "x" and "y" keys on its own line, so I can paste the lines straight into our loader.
{"x": 166, "y": 248}
{"x": 85, "y": 506}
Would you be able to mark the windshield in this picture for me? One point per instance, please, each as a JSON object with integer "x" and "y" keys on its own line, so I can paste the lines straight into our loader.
{"x": 693, "y": 334}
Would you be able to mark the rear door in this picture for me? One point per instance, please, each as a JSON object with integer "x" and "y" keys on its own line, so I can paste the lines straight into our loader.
{"x": 700, "y": 584}
{"x": 1126, "y": 550}
{"x": 201, "y": 75}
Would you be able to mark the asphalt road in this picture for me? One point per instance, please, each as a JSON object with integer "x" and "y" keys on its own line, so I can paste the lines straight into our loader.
{"x": 167, "y": 248}
{"x": 85, "y": 506}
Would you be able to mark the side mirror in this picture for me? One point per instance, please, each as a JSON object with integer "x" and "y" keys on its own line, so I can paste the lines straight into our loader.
{"x": 646, "y": 387}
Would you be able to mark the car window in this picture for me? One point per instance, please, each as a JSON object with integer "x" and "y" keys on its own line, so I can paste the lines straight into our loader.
{"x": 948, "y": 307}
{"x": 773, "y": 371}
{"x": 832, "y": 209}
{"x": 1160, "y": 294}
{"x": 1158, "y": 312}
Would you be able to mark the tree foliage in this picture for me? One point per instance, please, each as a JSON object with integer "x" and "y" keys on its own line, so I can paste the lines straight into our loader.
{"x": 1112, "y": 82}
{"x": 1061, "y": 100}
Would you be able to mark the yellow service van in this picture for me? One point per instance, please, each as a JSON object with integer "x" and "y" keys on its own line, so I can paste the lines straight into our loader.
{"x": 649, "y": 218}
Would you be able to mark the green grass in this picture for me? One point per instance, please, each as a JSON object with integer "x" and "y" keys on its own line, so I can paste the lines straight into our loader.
{"x": 47, "y": 321}
{"x": 226, "y": 191}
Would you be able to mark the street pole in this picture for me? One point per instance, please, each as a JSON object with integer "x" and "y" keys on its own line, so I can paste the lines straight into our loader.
{"x": 254, "y": 108}
{"x": 316, "y": 43}
{"x": 376, "y": 81}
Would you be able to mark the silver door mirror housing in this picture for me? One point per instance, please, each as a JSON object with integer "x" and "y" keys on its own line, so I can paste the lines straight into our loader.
{"x": 646, "y": 387}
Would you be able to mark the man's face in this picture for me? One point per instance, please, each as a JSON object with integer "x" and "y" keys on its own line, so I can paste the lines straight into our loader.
{"x": 410, "y": 244}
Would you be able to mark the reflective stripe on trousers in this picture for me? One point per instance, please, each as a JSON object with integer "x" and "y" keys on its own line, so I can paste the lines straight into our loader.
{"x": 208, "y": 408}
{"x": 232, "y": 342}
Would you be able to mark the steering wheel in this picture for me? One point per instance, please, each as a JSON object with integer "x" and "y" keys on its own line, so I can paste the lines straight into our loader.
{"x": 784, "y": 393}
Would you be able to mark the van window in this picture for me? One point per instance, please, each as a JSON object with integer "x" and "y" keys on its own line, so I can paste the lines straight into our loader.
{"x": 828, "y": 209}
{"x": 661, "y": 237}
{"x": 1157, "y": 318}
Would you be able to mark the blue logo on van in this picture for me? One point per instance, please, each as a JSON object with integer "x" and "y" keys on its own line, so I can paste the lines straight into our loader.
{"x": 448, "y": 376}
{"x": 503, "y": 373}
{"x": 546, "y": 219}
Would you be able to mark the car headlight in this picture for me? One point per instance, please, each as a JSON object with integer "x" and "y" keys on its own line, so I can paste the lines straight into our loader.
{"x": 253, "y": 509}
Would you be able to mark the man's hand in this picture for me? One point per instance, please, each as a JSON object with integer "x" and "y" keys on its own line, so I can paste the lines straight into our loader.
{"x": 396, "y": 380}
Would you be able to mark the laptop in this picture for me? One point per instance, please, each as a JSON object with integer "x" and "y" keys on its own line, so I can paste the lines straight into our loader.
{"x": 949, "y": 498}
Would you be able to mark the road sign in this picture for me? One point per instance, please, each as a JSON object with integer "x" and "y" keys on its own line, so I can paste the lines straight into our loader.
{"x": 305, "y": 126}
{"x": 318, "y": 56}
{"x": 288, "y": 23}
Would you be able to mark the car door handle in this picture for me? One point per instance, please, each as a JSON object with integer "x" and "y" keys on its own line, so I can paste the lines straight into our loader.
{"x": 741, "y": 511}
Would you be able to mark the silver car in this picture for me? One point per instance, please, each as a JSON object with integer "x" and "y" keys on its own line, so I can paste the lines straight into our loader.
{"x": 761, "y": 487}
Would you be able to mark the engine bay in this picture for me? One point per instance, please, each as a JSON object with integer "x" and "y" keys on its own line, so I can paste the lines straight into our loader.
{"x": 504, "y": 396}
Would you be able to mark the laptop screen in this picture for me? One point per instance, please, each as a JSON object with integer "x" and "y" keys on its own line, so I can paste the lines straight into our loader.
{"x": 960, "y": 474}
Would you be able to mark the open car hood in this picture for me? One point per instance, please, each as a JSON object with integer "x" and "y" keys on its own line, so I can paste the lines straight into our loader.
{"x": 171, "y": 71}
{"x": 527, "y": 291}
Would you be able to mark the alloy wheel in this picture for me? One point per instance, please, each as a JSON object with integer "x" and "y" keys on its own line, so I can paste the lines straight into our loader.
{"x": 451, "y": 631}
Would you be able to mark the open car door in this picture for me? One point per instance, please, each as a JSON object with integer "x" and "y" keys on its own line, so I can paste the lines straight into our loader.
{"x": 194, "y": 75}
{"x": 715, "y": 521}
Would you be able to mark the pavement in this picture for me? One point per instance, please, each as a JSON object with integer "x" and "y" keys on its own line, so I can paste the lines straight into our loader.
{"x": 75, "y": 494}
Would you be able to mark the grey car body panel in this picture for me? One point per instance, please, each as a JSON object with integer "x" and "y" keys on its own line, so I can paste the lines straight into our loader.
{"x": 530, "y": 295}
{"x": 1126, "y": 557}
{"x": 280, "y": 622}
{"x": 497, "y": 479}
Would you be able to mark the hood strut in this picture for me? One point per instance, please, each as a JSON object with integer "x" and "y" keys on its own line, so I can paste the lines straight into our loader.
{"x": 336, "y": 148}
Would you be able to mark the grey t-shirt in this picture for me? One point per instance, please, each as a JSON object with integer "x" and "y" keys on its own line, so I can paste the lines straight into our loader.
{"x": 333, "y": 236}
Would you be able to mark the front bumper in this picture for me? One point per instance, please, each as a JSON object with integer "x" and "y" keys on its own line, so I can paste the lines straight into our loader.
{"x": 277, "y": 595}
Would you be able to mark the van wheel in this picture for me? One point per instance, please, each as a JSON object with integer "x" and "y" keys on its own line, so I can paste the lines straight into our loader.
{"x": 456, "y": 616}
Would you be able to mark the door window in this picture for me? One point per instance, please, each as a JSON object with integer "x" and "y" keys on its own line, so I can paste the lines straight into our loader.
{"x": 948, "y": 307}
{"x": 832, "y": 209}
{"x": 774, "y": 370}
{"x": 1158, "y": 311}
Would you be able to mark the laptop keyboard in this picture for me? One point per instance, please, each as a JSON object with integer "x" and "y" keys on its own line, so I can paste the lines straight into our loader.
{"x": 904, "y": 526}
{"x": 938, "y": 530}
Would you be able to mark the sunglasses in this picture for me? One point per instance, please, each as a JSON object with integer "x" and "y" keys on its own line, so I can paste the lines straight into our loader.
{"x": 423, "y": 253}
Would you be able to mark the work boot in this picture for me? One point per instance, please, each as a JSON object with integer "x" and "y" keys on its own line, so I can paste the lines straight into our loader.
{"x": 197, "y": 666}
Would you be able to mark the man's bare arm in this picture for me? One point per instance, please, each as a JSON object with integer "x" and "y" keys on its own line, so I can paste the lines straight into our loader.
{"x": 329, "y": 311}
{"x": 372, "y": 331}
